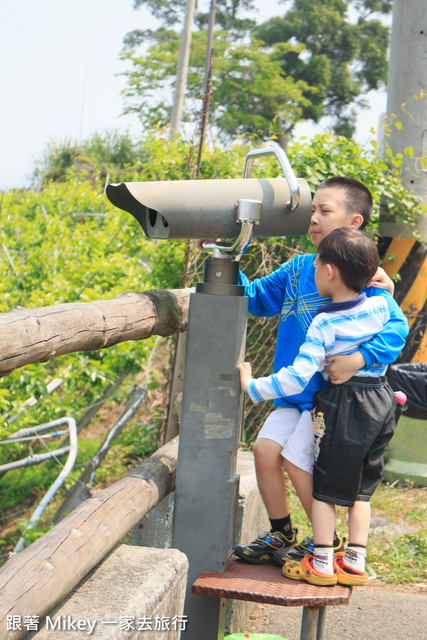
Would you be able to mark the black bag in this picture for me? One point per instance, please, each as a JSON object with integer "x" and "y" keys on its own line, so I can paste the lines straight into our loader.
{"x": 412, "y": 380}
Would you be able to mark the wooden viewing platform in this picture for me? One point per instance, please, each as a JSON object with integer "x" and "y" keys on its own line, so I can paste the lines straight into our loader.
{"x": 266, "y": 584}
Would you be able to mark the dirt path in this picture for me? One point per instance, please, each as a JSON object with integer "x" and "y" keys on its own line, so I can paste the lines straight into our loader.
{"x": 377, "y": 611}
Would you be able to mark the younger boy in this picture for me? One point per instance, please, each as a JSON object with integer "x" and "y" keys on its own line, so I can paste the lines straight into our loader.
{"x": 353, "y": 421}
{"x": 286, "y": 438}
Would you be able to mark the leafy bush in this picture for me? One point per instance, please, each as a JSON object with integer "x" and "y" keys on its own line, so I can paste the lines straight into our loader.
{"x": 64, "y": 242}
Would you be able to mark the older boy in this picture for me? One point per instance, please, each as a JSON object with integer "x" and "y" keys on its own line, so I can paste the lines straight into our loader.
{"x": 353, "y": 421}
{"x": 291, "y": 292}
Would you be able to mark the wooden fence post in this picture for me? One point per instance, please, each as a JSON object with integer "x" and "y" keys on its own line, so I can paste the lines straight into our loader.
{"x": 33, "y": 581}
{"x": 28, "y": 336}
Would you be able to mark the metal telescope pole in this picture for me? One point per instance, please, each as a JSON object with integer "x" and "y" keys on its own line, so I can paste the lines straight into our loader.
{"x": 207, "y": 486}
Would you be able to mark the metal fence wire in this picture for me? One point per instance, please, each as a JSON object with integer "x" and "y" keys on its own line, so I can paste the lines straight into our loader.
{"x": 263, "y": 257}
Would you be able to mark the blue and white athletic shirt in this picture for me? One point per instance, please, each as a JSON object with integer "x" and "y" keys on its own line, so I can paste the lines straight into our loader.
{"x": 338, "y": 329}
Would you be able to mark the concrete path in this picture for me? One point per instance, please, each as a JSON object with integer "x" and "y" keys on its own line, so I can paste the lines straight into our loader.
{"x": 375, "y": 612}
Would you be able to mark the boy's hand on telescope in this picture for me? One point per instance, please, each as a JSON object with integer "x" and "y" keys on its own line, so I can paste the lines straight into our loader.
{"x": 245, "y": 371}
{"x": 382, "y": 281}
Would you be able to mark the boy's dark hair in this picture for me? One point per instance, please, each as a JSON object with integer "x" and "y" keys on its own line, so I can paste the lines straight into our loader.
{"x": 357, "y": 197}
{"x": 353, "y": 253}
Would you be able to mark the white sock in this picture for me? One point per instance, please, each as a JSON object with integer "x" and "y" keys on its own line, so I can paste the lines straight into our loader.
{"x": 324, "y": 560}
{"x": 354, "y": 559}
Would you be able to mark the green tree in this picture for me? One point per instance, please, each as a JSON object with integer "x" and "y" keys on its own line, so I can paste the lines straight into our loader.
{"x": 342, "y": 58}
{"x": 317, "y": 60}
{"x": 98, "y": 155}
{"x": 249, "y": 90}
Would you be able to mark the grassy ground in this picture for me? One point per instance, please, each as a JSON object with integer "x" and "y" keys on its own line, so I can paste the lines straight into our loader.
{"x": 397, "y": 547}
{"x": 409, "y": 441}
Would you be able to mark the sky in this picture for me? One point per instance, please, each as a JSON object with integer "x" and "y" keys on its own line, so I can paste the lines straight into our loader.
{"x": 59, "y": 77}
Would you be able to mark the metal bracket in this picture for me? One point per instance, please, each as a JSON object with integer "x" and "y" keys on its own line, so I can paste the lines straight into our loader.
{"x": 248, "y": 214}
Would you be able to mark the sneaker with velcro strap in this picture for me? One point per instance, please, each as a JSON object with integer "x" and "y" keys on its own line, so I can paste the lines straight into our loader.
{"x": 262, "y": 550}
{"x": 299, "y": 551}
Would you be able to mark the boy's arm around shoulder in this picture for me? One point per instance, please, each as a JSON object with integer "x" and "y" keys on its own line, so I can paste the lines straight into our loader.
{"x": 383, "y": 348}
{"x": 382, "y": 281}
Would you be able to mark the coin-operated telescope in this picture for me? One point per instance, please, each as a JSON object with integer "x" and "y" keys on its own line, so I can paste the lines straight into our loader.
{"x": 227, "y": 209}
{"x": 207, "y": 485}
{"x": 210, "y": 208}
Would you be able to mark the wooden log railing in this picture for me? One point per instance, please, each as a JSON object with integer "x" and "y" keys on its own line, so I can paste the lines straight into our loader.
{"x": 28, "y": 336}
{"x": 35, "y": 580}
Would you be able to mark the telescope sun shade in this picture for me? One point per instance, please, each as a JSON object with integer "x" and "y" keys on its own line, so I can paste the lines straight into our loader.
{"x": 201, "y": 209}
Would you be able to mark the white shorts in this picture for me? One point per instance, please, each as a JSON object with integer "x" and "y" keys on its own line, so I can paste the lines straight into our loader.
{"x": 294, "y": 431}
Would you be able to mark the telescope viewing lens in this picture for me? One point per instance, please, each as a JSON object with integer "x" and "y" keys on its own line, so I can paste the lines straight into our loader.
{"x": 156, "y": 225}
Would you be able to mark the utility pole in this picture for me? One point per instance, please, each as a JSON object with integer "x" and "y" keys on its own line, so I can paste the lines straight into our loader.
{"x": 181, "y": 77}
{"x": 407, "y": 80}
{"x": 211, "y": 26}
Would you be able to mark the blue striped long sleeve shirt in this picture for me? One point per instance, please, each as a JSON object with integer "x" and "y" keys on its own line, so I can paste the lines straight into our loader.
{"x": 338, "y": 329}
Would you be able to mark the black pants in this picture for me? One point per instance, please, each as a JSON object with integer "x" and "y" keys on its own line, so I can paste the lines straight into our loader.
{"x": 353, "y": 423}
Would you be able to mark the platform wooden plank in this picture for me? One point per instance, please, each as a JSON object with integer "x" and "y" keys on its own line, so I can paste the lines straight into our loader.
{"x": 266, "y": 583}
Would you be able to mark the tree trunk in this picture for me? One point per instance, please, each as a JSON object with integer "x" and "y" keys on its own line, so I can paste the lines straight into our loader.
{"x": 34, "y": 581}
{"x": 28, "y": 336}
{"x": 181, "y": 74}
{"x": 283, "y": 135}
